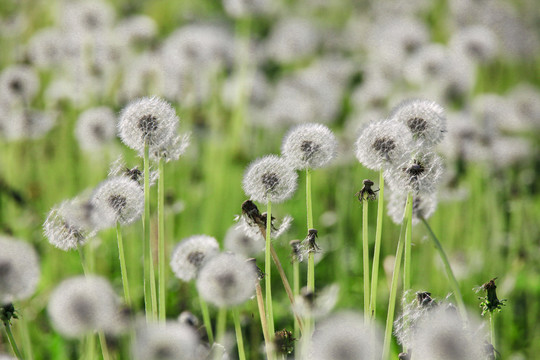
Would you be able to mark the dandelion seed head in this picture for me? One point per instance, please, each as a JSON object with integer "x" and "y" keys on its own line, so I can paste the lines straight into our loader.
{"x": 18, "y": 83}
{"x": 316, "y": 305}
{"x": 190, "y": 255}
{"x": 344, "y": 336}
{"x": 383, "y": 143}
{"x": 169, "y": 341}
{"x": 270, "y": 178}
{"x": 226, "y": 280}
{"x": 292, "y": 39}
{"x": 309, "y": 146}
{"x": 477, "y": 42}
{"x": 95, "y": 128}
{"x": 424, "y": 205}
{"x": 136, "y": 29}
{"x": 27, "y": 124}
{"x": 420, "y": 175}
{"x": 526, "y": 100}
{"x": 147, "y": 120}
{"x": 240, "y": 242}
{"x": 246, "y": 8}
{"x": 87, "y": 17}
{"x": 80, "y": 305}
{"x": 173, "y": 149}
{"x": 19, "y": 270}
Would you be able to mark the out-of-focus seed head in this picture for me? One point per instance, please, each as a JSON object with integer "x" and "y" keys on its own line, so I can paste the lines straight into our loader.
{"x": 18, "y": 84}
{"x": 309, "y": 146}
{"x": 87, "y": 17}
{"x": 187, "y": 318}
{"x": 270, "y": 178}
{"x": 26, "y": 124}
{"x": 147, "y": 120}
{"x": 420, "y": 175}
{"x": 246, "y": 8}
{"x": 382, "y": 144}
{"x": 44, "y": 48}
{"x": 425, "y": 119}
{"x": 81, "y": 305}
{"x": 169, "y": 341}
{"x": 70, "y": 224}
{"x": 137, "y": 29}
{"x": 118, "y": 199}
{"x": 344, "y": 336}
{"x": 173, "y": 149}
{"x": 227, "y": 280}
{"x": 292, "y": 39}
{"x": 477, "y": 42}
{"x": 316, "y": 305}
{"x": 242, "y": 242}
{"x": 95, "y": 128}
{"x": 191, "y": 254}
{"x": 19, "y": 270}
{"x": 424, "y": 205}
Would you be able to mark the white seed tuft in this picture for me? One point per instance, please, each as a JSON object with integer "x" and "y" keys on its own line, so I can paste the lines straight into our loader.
{"x": 309, "y": 146}
{"x": 169, "y": 341}
{"x": 191, "y": 254}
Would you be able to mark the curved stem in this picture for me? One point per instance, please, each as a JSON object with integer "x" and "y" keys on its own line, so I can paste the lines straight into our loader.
{"x": 11, "y": 339}
{"x": 267, "y": 273}
{"x": 377, "y": 250}
{"x": 239, "y": 337}
{"x": 123, "y": 269}
{"x": 161, "y": 243}
{"x": 365, "y": 255}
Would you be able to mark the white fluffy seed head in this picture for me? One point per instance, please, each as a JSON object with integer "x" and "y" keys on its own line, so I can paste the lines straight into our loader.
{"x": 227, "y": 280}
{"x": 424, "y": 205}
{"x": 18, "y": 83}
{"x": 95, "y": 128}
{"x": 191, "y": 254}
{"x": 241, "y": 242}
{"x": 383, "y": 143}
{"x": 420, "y": 175}
{"x": 147, "y": 120}
{"x": 80, "y": 305}
{"x": 169, "y": 341}
{"x": 344, "y": 336}
{"x": 270, "y": 178}
{"x": 309, "y": 146}
{"x": 173, "y": 149}
{"x": 425, "y": 119}
{"x": 19, "y": 270}
{"x": 118, "y": 199}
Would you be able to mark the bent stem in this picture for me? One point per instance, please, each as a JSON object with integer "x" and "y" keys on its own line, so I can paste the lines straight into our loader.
{"x": 11, "y": 340}
{"x": 123, "y": 270}
{"x": 206, "y": 320}
{"x": 395, "y": 277}
{"x": 377, "y": 250}
{"x": 264, "y": 324}
{"x": 365, "y": 255}
{"x": 449, "y": 272}
{"x": 238, "y": 330}
{"x": 161, "y": 242}
{"x": 267, "y": 273}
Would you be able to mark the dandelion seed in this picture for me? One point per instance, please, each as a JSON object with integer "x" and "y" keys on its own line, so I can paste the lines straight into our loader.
{"x": 270, "y": 178}
{"x": 424, "y": 118}
{"x": 147, "y": 120}
{"x": 421, "y": 174}
{"x": 344, "y": 336}
{"x": 80, "y": 305}
{"x": 191, "y": 254}
{"x": 169, "y": 341}
{"x": 18, "y": 83}
{"x": 19, "y": 270}
{"x": 309, "y": 146}
{"x": 240, "y": 242}
{"x": 95, "y": 127}
{"x": 118, "y": 199}
{"x": 226, "y": 280}
{"x": 383, "y": 143}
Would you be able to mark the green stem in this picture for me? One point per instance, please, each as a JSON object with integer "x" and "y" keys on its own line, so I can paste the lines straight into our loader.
{"x": 408, "y": 251}
{"x": 221, "y": 324}
{"x": 449, "y": 272}
{"x": 395, "y": 277}
{"x": 90, "y": 347}
{"x": 365, "y": 254}
{"x": 27, "y": 343}
{"x": 123, "y": 269}
{"x": 264, "y": 324}
{"x": 377, "y": 250}
{"x": 296, "y": 292}
{"x": 161, "y": 243}
{"x": 146, "y": 226}
{"x": 311, "y": 258}
{"x": 146, "y": 233}
{"x": 206, "y": 320}
{"x": 11, "y": 339}
{"x": 104, "y": 347}
{"x": 267, "y": 273}
{"x": 239, "y": 338}
{"x": 82, "y": 257}
{"x": 492, "y": 329}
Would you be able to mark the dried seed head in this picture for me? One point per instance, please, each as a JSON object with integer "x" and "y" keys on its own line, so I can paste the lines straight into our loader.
{"x": 95, "y": 128}
{"x": 80, "y": 305}
{"x": 425, "y": 119}
{"x": 117, "y": 199}
{"x": 420, "y": 175}
{"x": 227, "y": 280}
{"x": 270, "y": 178}
{"x": 242, "y": 242}
{"x": 309, "y": 146}
{"x": 383, "y": 143}
{"x": 148, "y": 120}
{"x": 169, "y": 341}
{"x": 191, "y": 254}
{"x": 19, "y": 270}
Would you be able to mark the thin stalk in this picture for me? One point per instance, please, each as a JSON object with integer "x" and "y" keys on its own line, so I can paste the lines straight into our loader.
{"x": 267, "y": 273}
{"x": 492, "y": 330}
{"x": 90, "y": 347}
{"x": 146, "y": 233}
{"x": 377, "y": 250}
{"x": 27, "y": 343}
{"x": 365, "y": 255}
{"x": 161, "y": 243}
{"x": 221, "y": 324}
{"x": 104, "y": 347}
{"x": 264, "y": 324}
{"x": 296, "y": 289}
{"x": 395, "y": 277}
{"x": 206, "y": 320}
{"x": 311, "y": 258}
{"x": 11, "y": 339}
{"x": 123, "y": 270}
{"x": 82, "y": 257}
{"x": 449, "y": 272}
{"x": 408, "y": 254}
{"x": 239, "y": 337}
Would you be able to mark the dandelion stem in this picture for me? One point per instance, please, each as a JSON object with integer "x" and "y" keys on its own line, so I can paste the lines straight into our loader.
{"x": 365, "y": 255}
{"x": 81, "y": 256}
{"x": 90, "y": 347}
{"x": 492, "y": 329}
{"x": 104, "y": 347}
{"x": 239, "y": 338}
{"x": 221, "y": 324}
{"x": 296, "y": 292}
{"x": 311, "y": 258}
{"x": 395, "y": 277}
{"x": 161, "y": 242}
{"x": 206, "y": 319}
{"x": 11, "y": 339}
{"x": 377, "y": 250}
{"x": 449, "y": 272}
{"x": 146, "y": 233}
{"x": 267, "y": 273}
{"x": 264, "y": 324}
{"x": 27, "y": 343}
{"x": 123, "y": 270}
{"x": 407, "y": 257}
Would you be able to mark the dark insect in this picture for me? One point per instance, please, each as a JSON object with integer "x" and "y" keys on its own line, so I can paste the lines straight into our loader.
{"x": 310, "y": 241}
{"x": 134, "y": 174}
{"x": 424, "y": 299}
{"x": 251, "y": 212}
{"x": 366, "y": 193}
{"x": 7, "y": 312}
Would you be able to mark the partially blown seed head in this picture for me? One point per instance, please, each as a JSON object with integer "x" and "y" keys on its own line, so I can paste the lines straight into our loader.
{"x": 309, "y": 146}
{"x": 270, "y": 178}
{"x": 227, "y": 280}
{"x": 19, "y": 270}
{"x": 191, "y": 254}
{"x": 420, "y": 175}
{"x": 424, "y": 205}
